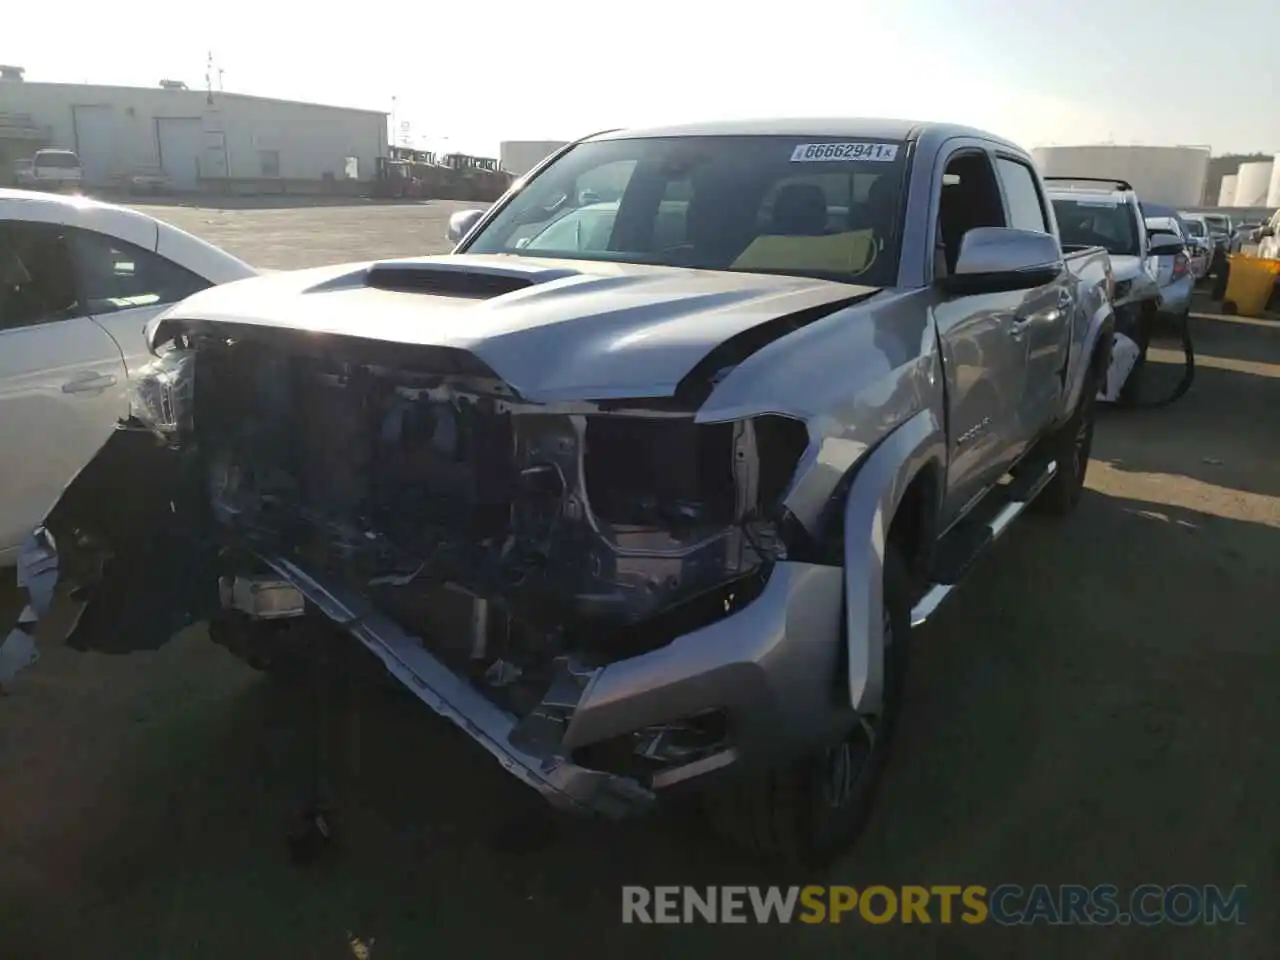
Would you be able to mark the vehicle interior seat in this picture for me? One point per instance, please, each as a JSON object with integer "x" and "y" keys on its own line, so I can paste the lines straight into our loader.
{"x": 878, "y": 211}
{"x": 799, "y": 210}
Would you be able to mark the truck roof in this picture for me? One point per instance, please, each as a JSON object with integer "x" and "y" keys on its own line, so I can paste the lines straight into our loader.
{"x": 861, "y": 128}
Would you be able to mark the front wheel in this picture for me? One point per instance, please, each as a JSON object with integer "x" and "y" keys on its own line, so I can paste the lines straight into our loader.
{"x": 1070, "y": 446}
{"x": 815, "y": 809}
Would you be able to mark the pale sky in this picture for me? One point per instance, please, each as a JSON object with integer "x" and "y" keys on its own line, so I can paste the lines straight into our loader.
{"x": 1128, "y": 71}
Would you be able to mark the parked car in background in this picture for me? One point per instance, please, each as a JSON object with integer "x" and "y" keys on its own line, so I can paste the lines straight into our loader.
{"x": 79, "y": 280}
{"x": 146, "y": 182}
{"x": 24, "y": 174}
{"x": 54, "y": 169}
{"x": 1269, "y": 238}
{"x": 1220, "y": 229}
{"x": 1201, "y": 244}
{"x": 1107, "y": 213}
{"x": 1242, "y": 235}
{"x": 638, "y": 517}
{"x": 1173, "y": 267}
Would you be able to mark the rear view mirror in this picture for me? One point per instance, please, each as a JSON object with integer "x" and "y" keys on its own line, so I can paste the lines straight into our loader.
{"x": 460, "y": 224}
{"x": 993, "y": 259}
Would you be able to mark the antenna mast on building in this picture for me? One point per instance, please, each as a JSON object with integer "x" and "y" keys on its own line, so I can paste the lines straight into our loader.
{"x": 208, "y": 79}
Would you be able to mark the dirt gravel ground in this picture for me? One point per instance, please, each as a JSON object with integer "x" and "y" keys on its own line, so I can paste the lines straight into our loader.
{"x": 1098, "y": 704}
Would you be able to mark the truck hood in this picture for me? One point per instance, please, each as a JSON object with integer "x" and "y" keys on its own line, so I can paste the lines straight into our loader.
{"x": 551, "y": 329}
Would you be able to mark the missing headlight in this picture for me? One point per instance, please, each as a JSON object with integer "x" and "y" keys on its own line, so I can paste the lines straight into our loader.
{"x": 162, "y": 394}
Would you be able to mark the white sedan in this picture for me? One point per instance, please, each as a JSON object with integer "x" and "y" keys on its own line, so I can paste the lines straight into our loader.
{"x": 79, "y": 280}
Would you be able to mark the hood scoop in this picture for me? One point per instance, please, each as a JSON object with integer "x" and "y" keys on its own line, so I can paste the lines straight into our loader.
{"x": 445, "y": 279}
{"x": 480, "y": 279}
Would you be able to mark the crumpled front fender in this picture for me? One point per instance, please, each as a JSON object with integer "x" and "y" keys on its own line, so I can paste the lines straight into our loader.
{"x": 873, "y": 499}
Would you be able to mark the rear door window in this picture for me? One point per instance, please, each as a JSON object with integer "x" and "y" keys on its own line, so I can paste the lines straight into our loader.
{"x": 116, "y": 275}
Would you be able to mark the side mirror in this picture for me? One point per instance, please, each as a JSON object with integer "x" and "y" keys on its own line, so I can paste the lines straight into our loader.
{"x": 996, "y": 259}
{"x": 1264, "y": 232}
{"x": 1165, "y": 245}
{"x": 460, "y": 224}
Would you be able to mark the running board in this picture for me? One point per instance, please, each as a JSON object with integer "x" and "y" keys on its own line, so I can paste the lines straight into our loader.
{"x": 1018, "y": 497}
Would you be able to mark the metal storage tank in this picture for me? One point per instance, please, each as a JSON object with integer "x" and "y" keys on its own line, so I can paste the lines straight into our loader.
{"x": 1173, "y": 176}
{"x": 1227, "y": 192}
{"x": 521, "y": 156}
{"x": 1252, "y": 182}
{"x": 1273, "y": 189}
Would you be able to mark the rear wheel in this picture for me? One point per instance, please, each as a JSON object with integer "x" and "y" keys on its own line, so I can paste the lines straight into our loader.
{"x": 814, "y": 809}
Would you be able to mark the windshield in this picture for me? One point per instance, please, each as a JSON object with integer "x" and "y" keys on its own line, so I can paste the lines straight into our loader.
{"x": 57, "y": 159}
{"x": 1217, "y": 224}
{"x": 1109, "y": 224}
{"x": 1195, "y": 228}
{"x": 785, "y": 205}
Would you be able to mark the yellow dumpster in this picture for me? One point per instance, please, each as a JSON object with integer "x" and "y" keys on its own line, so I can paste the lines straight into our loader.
{"x": 1250, "y": 283}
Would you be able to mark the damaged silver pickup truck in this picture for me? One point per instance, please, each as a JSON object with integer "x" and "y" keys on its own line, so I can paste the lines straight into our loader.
{"x": 646, "y": 484}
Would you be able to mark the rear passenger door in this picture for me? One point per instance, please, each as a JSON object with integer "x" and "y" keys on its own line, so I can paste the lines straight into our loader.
{"x": 1043, "y": 317}
{"x": 62, "y": 379}
{"x": 124, "y": 286}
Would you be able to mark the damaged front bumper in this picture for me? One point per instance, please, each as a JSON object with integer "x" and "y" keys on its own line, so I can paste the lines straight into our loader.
{"x": 768, "y": 668}
{"x": 650, "y": 630}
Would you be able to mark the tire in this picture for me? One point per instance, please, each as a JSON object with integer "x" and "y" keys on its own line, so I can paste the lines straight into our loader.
{"x": 1069, "y": 446}
{"x": 813, "y": 810}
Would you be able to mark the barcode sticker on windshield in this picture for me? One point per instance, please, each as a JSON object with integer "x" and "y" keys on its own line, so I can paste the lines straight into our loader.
{"x": 817, "y": 152}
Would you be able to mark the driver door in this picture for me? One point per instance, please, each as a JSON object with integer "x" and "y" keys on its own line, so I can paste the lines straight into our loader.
{"x": 984, "y": 354}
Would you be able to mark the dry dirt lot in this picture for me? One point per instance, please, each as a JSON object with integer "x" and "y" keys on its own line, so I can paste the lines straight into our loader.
{"x": 280, "y": 235}
{"x": 1098, "y": 704}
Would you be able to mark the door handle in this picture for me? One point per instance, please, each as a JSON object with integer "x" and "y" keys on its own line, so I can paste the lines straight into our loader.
{"x": 90, "y": 384}
{"x": 1019, "y": 327}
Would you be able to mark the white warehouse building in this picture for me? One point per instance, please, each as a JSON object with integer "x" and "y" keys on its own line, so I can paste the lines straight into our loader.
{"x": 199, "y": 139}
{"x": 1252, "y": 181}
{"x": 1173, "y": 176}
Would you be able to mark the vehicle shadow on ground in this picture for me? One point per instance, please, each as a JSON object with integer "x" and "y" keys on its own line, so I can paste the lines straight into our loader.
{"x": 1064, "y": 725}
{"x": 1224, "y": 430}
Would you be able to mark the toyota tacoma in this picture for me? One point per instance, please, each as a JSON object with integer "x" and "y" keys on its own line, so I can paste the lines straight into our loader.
{"x": 644, "y": 493}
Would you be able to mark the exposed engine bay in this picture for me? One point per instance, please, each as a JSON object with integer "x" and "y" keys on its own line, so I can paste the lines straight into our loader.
{"x": 510, "y": 537}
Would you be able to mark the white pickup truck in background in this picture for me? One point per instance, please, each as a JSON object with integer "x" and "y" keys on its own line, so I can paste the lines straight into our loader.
{"x": 54, "y": 169}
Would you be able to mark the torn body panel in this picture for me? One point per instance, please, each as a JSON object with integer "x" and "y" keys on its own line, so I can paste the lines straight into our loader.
{"x": 604, "y": 589}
